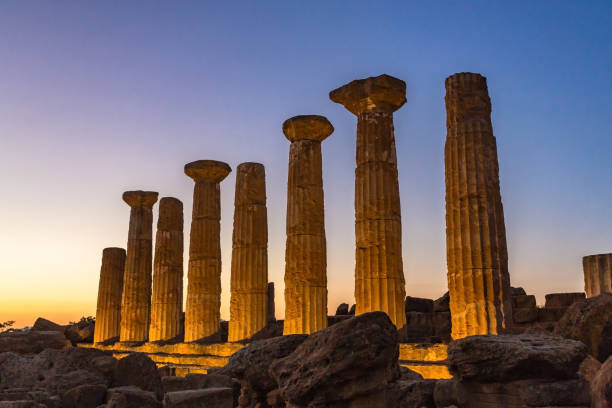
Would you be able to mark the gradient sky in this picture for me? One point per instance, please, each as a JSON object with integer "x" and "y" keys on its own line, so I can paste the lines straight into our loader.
{"x": 101, "y": 97}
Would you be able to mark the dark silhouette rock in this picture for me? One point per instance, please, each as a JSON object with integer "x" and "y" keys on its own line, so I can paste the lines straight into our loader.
{"x": 352, "y": 310}
{"x": 84, "y": 396}
{"x": 250, "y": 364}
{"x": 442, "y": 304}
{"x": 204, "y": 398}
{"x": 343, "y": 309}
{"x": 563, "y": 300}
{"x": 80, "y": 333}
{"x": 137, "y": 369}
{"x": 352, "y": 361}
{"x": 32, "y": 341}
{"x": 131, "y": 397}
{"x": 421, "y": 305}
{"x": 508, "y": 358}
{"x": 56, "y": 371}
{"x": 590, "y": 322}
{"x": 42, "y": 324}
{"x": 602, "y": 386}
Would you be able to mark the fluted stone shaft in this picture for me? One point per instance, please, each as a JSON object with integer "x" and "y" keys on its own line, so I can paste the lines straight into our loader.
{"x": 110, "y": 289}
{"x": 305, "y": 252}
{"x": 597, "y": 274}
{"x": 136, "y": 299}
{"x": 477, "y": 256}
{"x": 167, "y": 302}
{"x": 379, "y": 274}
{"x": 202, "y": 314}
{"x": 249, "y": 279}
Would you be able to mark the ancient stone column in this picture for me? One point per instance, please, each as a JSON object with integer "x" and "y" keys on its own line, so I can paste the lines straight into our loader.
{"x": 167, "y": 302}
{"x": 202, "y": 312}
{"x": 136, "y": 300}
{"x": 305, "y": 252}
{"x": 110, "y": 288}
{"x": 477, "y": 257}
{"x": 597, "y": 274}
{"x": 249, "y": 279}
{"x": 379, "y": 273}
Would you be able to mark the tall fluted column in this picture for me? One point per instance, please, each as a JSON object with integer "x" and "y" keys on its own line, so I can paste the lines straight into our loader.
{"x": 306, "y": 248}
{"x": 202, "y": 313}
{"x": 379, "y": 272}
{"x": 249, "y": 279}
{"x": 477, "y": 257}
{"x": 110, "y": 288}
{"x": 167, "y": 302}
{"x": 597, "y": 274}
{"x": 136, "y": 300}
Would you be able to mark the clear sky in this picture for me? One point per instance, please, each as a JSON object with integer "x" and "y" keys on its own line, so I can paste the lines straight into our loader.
{"x": 101, "y": 97}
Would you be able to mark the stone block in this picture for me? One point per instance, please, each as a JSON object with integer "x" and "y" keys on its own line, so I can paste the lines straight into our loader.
{"x": 415, "y": 304}
{"x": 550, "y": 314}
{"x": 558, "y": 300}
{"x": 525, "y": 315}
{"x": 524, "y": 301}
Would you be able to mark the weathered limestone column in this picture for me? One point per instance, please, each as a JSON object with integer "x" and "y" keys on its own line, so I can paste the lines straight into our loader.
{"x": 477, "y": 257}
{"x": 379, "y": 272}
{"x": 249, "y": 279}
{"x": 202, "y": 313}
{"x": 110, "y": 288}
{"x": 167, "y": 302}
{"x": 306, "y": 248}
{"x": 597, "y": 274}
{"x": 136, "y": 300}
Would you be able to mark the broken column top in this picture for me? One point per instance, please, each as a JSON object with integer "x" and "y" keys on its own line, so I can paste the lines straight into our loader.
{"x": 113, "y": 250}
{"x": 307, "y": 127}
{"x": 170, "y": 214}
{"x": 250, "y": 184}
{"x": 381, "y": 93}
{"x": 140, "y": 198}
{"x": 207, "y": 170}
{"x": 467, "y": 96}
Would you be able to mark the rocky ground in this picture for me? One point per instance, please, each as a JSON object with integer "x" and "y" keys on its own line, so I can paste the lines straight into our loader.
{"x": 351, "y": 364}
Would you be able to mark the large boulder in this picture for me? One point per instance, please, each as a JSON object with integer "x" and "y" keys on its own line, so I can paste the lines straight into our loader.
{"x": 84, "y": 396}
{"x": 138, "y": 370}
{"x": 80, "y": 332}
{"x": 250, "y": 364}
{"x": 56, "y": 371}
{"x": 342, "y": 309}
{"x": 42, "y": 324}
{"x": 205, "y": 398}
{"x": 514, "y": 357}
{"x": 602, "y": 386}
{"x": 350, "y": 362}
{"x": 131, "y": 397}
{"x": 32, "y": 341}
{"x": 590, "y": 322}
{"x": 442, "y": 304}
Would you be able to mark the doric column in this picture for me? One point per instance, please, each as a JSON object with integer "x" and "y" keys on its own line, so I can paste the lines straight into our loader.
{"x": 136, "y": 300}
{"x": 379, "y": 274}
{"x": 477, "y": 257}
{"x": 110, "y": 288}
{"x": 597, "y": 274}
{"x": 167, "y": 302}
{"x": 305, "y": 252}
{"x": 202, "y": 313}
{"x": 249, "y": 279}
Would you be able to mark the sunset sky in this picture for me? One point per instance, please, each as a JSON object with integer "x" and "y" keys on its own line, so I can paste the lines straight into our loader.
{"x": 101, "y": 97}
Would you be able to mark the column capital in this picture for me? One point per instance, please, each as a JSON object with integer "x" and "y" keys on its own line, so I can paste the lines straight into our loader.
{"x": 307, "y": 127}
{"x": 139, "y": 198}
{"x": 382, "y": 93}
{"x": 207, "y": 170}
{"x": 467, "y": 96}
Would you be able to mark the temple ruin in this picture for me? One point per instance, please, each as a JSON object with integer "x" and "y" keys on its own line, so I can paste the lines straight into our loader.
{"x": 477, "y": 257}
{"x": 479, "y": 301}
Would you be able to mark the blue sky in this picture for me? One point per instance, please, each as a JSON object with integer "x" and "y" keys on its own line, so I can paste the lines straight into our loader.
{"x": 98, "y": 98}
